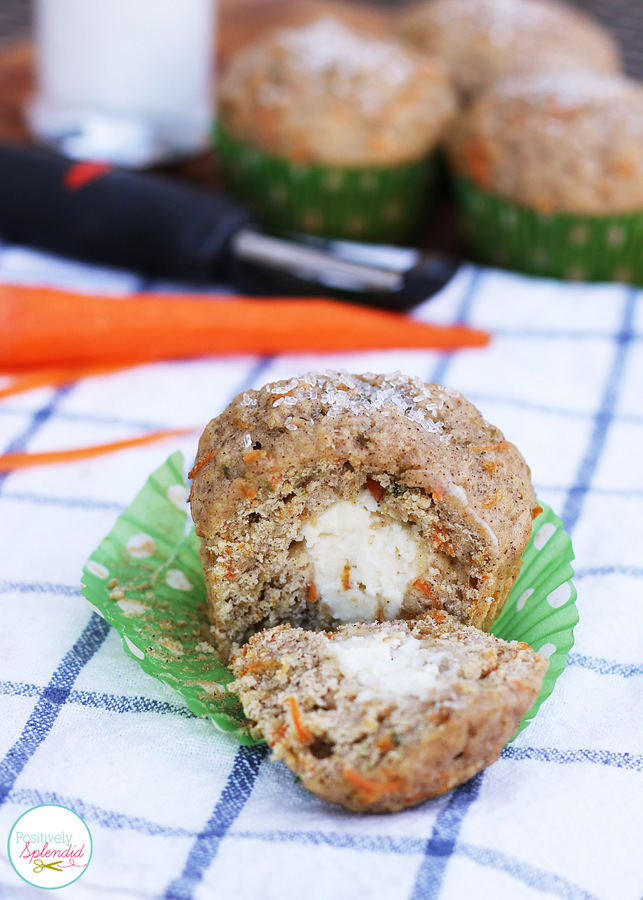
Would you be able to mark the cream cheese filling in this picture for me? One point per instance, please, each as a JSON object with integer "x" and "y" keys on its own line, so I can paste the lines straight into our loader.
{"x": 362, "y": 562}
{"x": 388, "y": 666}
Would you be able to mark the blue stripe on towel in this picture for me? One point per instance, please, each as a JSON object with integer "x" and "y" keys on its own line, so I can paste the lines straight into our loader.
{"x": 579, "y": 490}
{"x": 52, "y": 699}
{"x": 441, "y": 845}
{"x": 233, "y": 798}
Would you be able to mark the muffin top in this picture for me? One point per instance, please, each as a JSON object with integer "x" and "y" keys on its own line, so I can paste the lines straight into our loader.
{"x": 557, "y": 143}
{"x": 482, "y": 41}
{"x": 323, "y": 93}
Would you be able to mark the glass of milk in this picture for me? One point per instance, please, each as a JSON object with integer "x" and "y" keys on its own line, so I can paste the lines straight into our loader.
{"x": 124, "y": 81}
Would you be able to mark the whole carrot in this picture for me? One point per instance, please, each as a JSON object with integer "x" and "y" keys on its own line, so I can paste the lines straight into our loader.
{"x": 41, "y": 327}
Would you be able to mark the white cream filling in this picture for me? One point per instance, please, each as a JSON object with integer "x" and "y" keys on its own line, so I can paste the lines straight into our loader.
{"x": 388, "y": 666}
{"x": 362, "y": 563}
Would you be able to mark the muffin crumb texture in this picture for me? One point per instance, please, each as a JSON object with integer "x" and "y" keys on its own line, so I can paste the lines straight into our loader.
{"x": 384, "y": 716}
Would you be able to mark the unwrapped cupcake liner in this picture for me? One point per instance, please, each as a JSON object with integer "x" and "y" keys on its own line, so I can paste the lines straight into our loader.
{"x": 385, "y": 204}
{"x": 568, "y": 246}
{"x": 146, "y": 580}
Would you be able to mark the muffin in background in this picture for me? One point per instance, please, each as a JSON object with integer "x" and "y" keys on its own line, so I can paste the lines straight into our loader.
{"x": 482, "y": 41}
{"x": 325, "y": 130}
{"x": 548, "y": 172}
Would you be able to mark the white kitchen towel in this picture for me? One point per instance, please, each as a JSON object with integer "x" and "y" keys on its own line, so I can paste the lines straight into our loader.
{"x": 178, "y": 810}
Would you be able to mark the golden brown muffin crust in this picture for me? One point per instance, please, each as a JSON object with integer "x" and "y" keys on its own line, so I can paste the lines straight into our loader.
{"x": 482, "y": 41}
{"x": 556, "y": 143}
{"x": 323, "y": 93}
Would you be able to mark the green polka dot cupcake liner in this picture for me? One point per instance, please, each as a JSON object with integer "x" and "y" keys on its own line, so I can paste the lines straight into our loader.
{"x": 146, "y": 580}
{"x": 380, "y": 204}
{"x": 558, "y": 245}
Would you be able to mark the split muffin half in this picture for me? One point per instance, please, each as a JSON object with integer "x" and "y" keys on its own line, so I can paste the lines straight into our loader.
{"x": 384, "y": 716}
{"x": 336, "y": 498}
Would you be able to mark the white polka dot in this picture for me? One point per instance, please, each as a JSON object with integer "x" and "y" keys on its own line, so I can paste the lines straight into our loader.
{"x": 177, "y": 580}
{"x": 178, "y": 495}
{"x": 623, "y": 273}
{"x": 543, "y": 534}
{"x": 141, "y": 545}
{"x": 97, "y": 569}
{"x": 333, "y": 181}
{"x": 132, "y": 607}
{"x": 523, "y": 598}
{"x": 97, "y": 610}
{"x": 578, "y": 235}
{"x": 616, "y": 236}
{"x": 278, "y": 195}
{"x": 217, "y": 726}
{"x": 540, "y": 257}
{"x": 508, "y": 218}
{"x": 138, "y": 653}
{"x": 547, "y": 650}
{"x": 560, "y": 595}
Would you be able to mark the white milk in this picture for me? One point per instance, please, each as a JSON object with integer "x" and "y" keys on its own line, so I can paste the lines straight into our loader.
{"x": 129, "y": 81}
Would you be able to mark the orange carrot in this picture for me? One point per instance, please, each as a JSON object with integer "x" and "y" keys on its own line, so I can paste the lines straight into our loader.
{"x": 372, "y": 789}
{"x": 53, "y": 378}
{"x": 426, "y": 588}
{"x": 295, "y": 713}
{"x": 378, "y": 491}
{"x": 11, "y": 461}
{"x": 43, "y": 327}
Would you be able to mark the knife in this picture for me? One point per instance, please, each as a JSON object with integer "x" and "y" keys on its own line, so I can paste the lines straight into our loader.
{"x": 162, "y": 229}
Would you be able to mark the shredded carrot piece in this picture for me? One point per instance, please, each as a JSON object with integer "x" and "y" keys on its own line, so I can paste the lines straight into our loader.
{"x": 493, "y": 499}
{"x": 536, "y": 511}
{"x": 385, "y": 743}
{"x": 259, "y": 666}
{"x": 11, "y": 461}
{"x": 255, "y": 455}
{"x": 377, "y": 490}
{"x": 346, "y": 577}
{"x": 487, "y": 448}
{"x": 372, "y": 789}
{"x": 198, "y": 465}
{"x": 278, "y": 733}
{"x": 425, "y": 587}
{"x": 53, "y": 378}
{"x": 295, "y": 713}
{"x": 312, "y": 593}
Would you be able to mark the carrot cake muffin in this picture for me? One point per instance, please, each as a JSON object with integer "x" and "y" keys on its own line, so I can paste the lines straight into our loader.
{"x": 557, "y": 159}
{"x": 484, "y": 40}
{"x": 381, "y": 717}
{"x": 334, "y": 498}
{"x": 329, "y": 130}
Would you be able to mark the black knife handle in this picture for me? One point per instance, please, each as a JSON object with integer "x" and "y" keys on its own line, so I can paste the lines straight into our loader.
{"x": 112, "y": 217}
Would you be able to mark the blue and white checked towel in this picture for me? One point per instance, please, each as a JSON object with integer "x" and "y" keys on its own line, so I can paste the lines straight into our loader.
{"x": 179, "y": 810}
